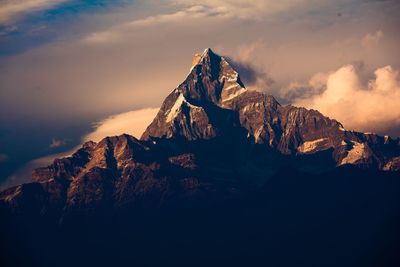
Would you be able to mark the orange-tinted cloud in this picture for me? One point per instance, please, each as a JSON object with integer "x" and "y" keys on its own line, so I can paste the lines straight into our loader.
{"x": 132, "y": 123}
{"x": 372, "y": 107}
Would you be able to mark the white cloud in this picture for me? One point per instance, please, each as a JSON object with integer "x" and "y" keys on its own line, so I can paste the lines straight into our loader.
{"x": 10, "y": 9}
{"x": 251, "y": 9}
{"x": 373, "y": 107}
{"x": 232, "y": 9}
{"x": 117, "y": 33}
{"x": 196, "y": 11}
{"x": 132, "y": 123}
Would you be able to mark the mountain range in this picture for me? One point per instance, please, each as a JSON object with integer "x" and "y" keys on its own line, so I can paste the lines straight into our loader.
{"x": 218, "y": 162}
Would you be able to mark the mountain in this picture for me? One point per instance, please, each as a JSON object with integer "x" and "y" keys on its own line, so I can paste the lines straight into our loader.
{"x": 213, "y": 102}
{"x": 214, "y": 149}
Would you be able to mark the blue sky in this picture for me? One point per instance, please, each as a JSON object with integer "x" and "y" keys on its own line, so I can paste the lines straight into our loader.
{"x": 37, "y": 27}
{"x": 65, "y": 65}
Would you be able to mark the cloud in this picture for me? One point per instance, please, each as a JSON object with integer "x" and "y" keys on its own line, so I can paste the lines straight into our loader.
{"x": 298, "y": 90}
{"x": 372, "y": 39}
{"x": 243, "y": 61}
{"x": 55, "y": 143}
{"x": 116, "y": 34}
{"x": 189, "y": 10}
{"x": 11, "y": 9}
{"x": 132, "y": 122}
{"x": 372, "y": 107}
{"x": 114, "y": 69}
{"x": 251, "y": 9}
{"x": 196, "y": 11}
{"x": 253, "y": 77}
{"x": 23, "y": 174}
{"x": 8, "y": 29}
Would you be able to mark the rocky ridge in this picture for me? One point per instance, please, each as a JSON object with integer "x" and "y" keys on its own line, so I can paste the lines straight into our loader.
{"x": 212, "y": 101}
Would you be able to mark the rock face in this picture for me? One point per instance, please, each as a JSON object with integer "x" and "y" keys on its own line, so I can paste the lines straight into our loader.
{"x": 212, "y": 139}
{"x": 212, "y": 102}
{"x": 195, "y": 109}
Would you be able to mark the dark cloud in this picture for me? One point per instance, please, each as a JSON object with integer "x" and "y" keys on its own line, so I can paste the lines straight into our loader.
{"x": 251, "y": 75}
{"x": 23, "y": 140}
{"x": 299, "y": 91}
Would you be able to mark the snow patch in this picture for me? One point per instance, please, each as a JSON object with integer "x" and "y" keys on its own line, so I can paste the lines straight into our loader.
{"x": 359, "y": 151}
{"x": 231, "y": 77}
{"x": 235, "y": 94}
{"x": 171, "y": 114}
{"x": 311, "y": 146}
{"x": 246, "y": 108}
{"x": 258, "y": 133}
{"x": 386, "y": 139}
{"x": 196, "y": 60}
{"x": 232, "y": 86}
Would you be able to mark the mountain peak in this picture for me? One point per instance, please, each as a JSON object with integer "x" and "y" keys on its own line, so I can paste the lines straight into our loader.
{"x": 200, "y": 57}
{"x": 211, "y": 83}
{"x": 208, "y": 52}
{"x": 211, "y": 79}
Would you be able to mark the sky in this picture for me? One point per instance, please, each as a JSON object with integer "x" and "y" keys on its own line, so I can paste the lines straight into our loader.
{"x": 73, "y": 70}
